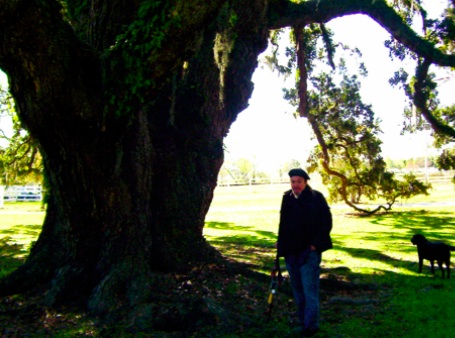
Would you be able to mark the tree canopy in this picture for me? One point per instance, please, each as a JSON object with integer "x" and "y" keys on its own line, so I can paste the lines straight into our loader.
{"x": 346, "y": 129}
{"x": 129, "y": 102}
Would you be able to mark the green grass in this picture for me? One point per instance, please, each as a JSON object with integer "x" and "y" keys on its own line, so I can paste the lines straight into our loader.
{"x": 20, "y": 226}
{"x": 370, "y": 284}
{"x": 21, "y": 221}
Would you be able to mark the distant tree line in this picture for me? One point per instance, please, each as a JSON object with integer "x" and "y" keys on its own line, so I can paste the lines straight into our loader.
{"x": 243, "y": 171}
{"x": 414, "y": 163}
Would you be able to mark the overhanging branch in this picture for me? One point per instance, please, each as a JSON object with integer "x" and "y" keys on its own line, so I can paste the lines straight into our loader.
{"x": 303, "y": 72}
{"x": 323, "y": 11}
{"x": 420, "y": 101}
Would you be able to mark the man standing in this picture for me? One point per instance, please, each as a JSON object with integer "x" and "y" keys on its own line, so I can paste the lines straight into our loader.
{"x": 304, "y": 233}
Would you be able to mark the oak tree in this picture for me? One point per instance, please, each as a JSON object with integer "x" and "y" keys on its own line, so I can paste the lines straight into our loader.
{"x": 129, "y": 102}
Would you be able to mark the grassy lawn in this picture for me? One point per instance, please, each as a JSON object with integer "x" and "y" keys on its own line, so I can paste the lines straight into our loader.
{"x": 369, "y": 286}
{"x": 21, "y": 221}
{"x": 20, "y": 225}
{"x": 378, "y": 292}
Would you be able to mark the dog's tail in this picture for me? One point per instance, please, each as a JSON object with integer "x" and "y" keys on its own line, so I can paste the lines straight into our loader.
{"x": 451, "y": 248}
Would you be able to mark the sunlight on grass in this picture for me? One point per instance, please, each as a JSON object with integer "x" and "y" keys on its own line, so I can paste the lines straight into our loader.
{"x": 374, "y": 251}
{"x": 373, "y": 254}
{"x": 21, "y": 222}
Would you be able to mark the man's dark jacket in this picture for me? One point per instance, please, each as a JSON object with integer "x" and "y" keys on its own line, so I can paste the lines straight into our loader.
{"x": 304, "y": 221}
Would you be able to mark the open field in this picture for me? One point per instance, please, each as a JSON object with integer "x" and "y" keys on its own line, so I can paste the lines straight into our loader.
{"x": 369, "y": 285}
{"x": 254, "y": 210}
{"x": 380, "y": 294}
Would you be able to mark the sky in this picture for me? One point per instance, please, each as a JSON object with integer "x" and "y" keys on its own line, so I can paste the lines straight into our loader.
{"x": 267, "y": 133}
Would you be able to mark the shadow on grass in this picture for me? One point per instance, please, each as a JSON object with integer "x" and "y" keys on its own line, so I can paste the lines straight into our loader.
{"x": 11, "y": 255}
{"x": 387, "y": 303}
{"x": 442, "y": 222}
{"x": 256, "y": 247}
{"x": 383, "y": 303}
{"x": 245, "y": 235}
{"x": 28, "y": 230}
{"x": 398, "y": 229}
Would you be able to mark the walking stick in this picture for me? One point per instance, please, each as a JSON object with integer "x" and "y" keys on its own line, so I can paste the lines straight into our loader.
{"x": 277, "y": 278}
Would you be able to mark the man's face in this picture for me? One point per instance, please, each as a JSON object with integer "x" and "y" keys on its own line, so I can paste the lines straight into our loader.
{"x": 298, "y": 184}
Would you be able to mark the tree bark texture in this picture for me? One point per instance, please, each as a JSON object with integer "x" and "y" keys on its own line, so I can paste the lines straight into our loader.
{"x": 130, "y": 102}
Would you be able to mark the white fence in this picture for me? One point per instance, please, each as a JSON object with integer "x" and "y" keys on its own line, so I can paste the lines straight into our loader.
{"x": 430, "y": 176}
{"x": 22, "y": 193}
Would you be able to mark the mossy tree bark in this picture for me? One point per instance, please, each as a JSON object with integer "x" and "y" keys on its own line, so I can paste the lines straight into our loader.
{"x": 131, "y": 167}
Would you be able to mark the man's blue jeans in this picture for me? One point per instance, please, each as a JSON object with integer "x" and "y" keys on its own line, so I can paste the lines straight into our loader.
{"x": 304, "y": 270}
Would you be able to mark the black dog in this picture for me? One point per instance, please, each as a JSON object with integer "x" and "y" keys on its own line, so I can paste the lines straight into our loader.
{"x": 433, "y": 251}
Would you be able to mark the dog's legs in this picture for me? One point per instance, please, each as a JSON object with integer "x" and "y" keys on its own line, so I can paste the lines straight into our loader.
{"x": 432, "y": 267}
{"x": 441, "y": 267}
{"x": 420, "y": 264}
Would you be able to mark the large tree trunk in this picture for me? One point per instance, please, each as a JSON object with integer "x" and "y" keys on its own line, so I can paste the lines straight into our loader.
{"x": 129, "y": 184}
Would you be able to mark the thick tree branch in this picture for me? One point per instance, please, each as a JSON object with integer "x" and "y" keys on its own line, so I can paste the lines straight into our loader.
{"x": 178, "y": 39}
{"x": 420, "y": 101}
{"x": 303, "y": 72}
{"x": 35, "y": 61}
{"x": 322, "y": 11}
{"x": 99, "y": 22}
{"x": 249, "y": 40}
